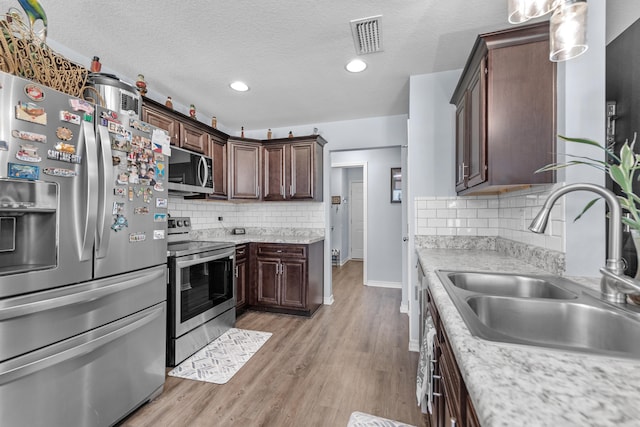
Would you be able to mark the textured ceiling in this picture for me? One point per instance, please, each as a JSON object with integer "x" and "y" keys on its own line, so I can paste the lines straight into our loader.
{"x": 291, "y": 53}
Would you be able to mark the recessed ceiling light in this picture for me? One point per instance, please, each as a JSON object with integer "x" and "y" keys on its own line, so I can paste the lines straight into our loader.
{"x": 356, "y": 66}
{"x": 239, "y": 86}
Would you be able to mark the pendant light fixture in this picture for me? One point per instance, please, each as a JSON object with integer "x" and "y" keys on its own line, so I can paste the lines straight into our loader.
{"x": 568, "y": 25}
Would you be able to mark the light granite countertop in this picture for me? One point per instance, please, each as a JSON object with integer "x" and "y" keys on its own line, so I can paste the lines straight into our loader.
{"x": 261, "y": 235}
{"x": 517, "y": 385}
{"x": 258, "y": 238}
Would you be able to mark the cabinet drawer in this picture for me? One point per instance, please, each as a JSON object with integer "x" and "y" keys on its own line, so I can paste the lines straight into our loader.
{"x": 242, "y": 251}
{"x": 282, "y": 250}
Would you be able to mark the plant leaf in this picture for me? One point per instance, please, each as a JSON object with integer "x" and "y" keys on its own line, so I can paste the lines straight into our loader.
{"x": 586, "y": 208}
{"x": 618, "y": 175}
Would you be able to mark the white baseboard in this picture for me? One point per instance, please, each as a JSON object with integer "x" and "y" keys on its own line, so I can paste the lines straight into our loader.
{"x": 328, "y": 300}
{"x": 404, "y": 308}
{"x": 377, "y": 284}
{"x": 414, "y": 345}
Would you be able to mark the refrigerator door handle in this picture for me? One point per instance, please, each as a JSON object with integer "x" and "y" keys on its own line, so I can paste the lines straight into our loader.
{"x": 90, "y": 207}
{"x": 77, "y": 297}
{"x": 56, "y": 357}
{"x": 102, "y": 243}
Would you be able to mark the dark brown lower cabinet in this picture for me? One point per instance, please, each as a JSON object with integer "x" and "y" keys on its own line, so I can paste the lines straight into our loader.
{"x": 242, "y": 276}
{"x": 452, "y": 406}
{"x": 287, "y": 278}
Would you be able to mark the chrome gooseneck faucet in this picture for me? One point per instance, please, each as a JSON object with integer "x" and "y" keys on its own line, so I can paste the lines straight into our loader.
{"x": 614, "y": 285}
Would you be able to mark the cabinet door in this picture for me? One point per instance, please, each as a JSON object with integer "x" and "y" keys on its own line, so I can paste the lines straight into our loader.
{"x": 218, "y": 152}
{"x": 472, "y": 417}
{"x": 194, "y": 138}
{"x": 274, "y": 172}
{"x": 461, "y": 146}
{"x": 162, "y": 121}
{"x": 244, "y": 171}
{"x": 476, "y": 171}
{"x": 302, "y": 171}
{"x": 241, "y": 282}
{"x": 267, "y": 292}
{"x": 293, "y": 283}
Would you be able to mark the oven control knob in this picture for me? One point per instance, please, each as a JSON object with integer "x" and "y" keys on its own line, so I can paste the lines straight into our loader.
{"x": 186, "y": 223}
{"x": 179, "y": 223}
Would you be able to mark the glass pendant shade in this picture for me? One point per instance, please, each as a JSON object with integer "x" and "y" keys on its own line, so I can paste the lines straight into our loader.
{"x": 568, "y": 30}
{"x": 522, "y": 10}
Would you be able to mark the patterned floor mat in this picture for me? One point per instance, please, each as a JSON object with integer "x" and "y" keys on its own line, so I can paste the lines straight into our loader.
{"x": 223, "y": 357}
{"x": 360, "y": 419}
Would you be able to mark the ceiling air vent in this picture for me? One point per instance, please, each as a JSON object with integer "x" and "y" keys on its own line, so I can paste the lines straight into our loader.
{"x": 367, "y": 34}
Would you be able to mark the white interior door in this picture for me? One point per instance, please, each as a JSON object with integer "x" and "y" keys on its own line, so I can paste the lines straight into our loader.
{"x": 356, "y": 219}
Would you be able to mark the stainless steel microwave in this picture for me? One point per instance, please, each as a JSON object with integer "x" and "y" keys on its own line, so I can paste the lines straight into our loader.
{"x": 190, "y": 172}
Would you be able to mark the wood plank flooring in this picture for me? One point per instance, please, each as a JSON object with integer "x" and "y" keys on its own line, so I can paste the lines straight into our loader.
{"x": 350, "y": 356}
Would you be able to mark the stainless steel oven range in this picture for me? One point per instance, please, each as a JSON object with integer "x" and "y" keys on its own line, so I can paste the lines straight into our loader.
{"x": 201, "y": 291}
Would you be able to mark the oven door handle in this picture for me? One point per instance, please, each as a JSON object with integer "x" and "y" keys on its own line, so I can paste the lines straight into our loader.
{"x": 202, "y": 260}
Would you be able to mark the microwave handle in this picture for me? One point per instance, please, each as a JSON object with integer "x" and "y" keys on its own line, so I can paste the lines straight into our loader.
{"x": 203, "y": 170}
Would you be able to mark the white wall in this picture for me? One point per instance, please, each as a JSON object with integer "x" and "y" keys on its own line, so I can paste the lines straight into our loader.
{"x": 384, "y": 219}
{"x": 375, "y": 132}
{"x": 430, "y": 159}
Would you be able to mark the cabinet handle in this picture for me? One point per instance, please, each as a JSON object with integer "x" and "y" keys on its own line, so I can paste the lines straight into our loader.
{"x": 237, "y": 272}
{"x": 454, "y": 422}
{"x": 291, "y": 190}
{"x": 437, "y": 394}
{"x": 464, "y": 174}
{"x": 258, "y": 191}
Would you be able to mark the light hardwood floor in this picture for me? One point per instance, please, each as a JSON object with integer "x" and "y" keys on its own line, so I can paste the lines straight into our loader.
{"x": 350, "y": 356}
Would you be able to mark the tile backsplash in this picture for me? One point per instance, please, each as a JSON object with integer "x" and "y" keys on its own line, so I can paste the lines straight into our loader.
{"x": 506, "y": 215}
{"x": 204, "y": 214}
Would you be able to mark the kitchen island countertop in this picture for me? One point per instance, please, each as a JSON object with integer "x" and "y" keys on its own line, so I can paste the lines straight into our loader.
{"x": 517, "y": 385}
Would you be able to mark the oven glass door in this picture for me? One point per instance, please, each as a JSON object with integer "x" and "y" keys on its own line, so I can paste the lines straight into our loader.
{"x": 204, "y": 288}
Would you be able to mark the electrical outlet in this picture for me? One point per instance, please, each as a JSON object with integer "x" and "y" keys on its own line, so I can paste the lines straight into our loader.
{"x": 219, "y": 218}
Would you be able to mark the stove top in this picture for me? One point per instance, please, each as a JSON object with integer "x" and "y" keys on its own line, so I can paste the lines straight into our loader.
{"x": 176, "y": 249}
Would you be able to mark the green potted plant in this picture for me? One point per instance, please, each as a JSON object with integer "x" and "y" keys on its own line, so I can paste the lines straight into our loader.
{"x": 621, "y": 168}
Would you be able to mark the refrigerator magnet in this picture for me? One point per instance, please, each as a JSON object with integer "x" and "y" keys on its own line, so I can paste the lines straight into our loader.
{"x": 118, "y": 208}
{"x": 63, "y": 157}
{"x": 119, "y": 223}
{"x": 141, "y": 126}
{"x": 141, "y": 210}
{"x": 120, "y": 192}
{"x": 158, "y": 234}
{"x": 137, "y": 237}
{"x": 161, "y": 203}
{"x": 30, "y": 112}
{"x": 66, "y": 116}
{"x": 34, "y": 92}
{"x": 64, "y": 133}
{"x": 81, "y": 105}
{"x": 30, "y": 172}
{"x": 4, "y": 146}
{"x": 29, "y": 136}
{"x": 122, "y": 179}
{"x": 60, "y": 172}
{"x": 158, "y": 186}
{"x": 28, "y": 153}
{"x": 63, "y": 147}
{"x": 120, "y": 143}
{"x": 160, "y": 217}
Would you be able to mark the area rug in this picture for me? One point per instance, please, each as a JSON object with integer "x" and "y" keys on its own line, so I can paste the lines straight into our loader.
{"x": 360, "y": 419}
{"x": 223, "y": 357}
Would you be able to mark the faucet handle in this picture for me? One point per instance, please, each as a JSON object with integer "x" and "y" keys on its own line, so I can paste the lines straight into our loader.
{"x": 615, "y": 286}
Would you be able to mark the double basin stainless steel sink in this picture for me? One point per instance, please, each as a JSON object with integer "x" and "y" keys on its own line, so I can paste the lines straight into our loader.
{"x": 543, "y": 311}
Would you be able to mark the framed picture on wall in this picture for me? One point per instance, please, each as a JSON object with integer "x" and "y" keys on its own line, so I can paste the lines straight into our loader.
{"x": 396, "y": 185}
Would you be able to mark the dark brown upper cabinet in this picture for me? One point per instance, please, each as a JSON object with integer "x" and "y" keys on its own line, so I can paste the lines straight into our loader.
{"x": 292, "y": 169}
{"x": 506, "y": 112}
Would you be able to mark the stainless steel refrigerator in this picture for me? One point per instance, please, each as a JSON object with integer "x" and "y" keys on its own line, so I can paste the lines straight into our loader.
{"x": 83, "y": 211}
